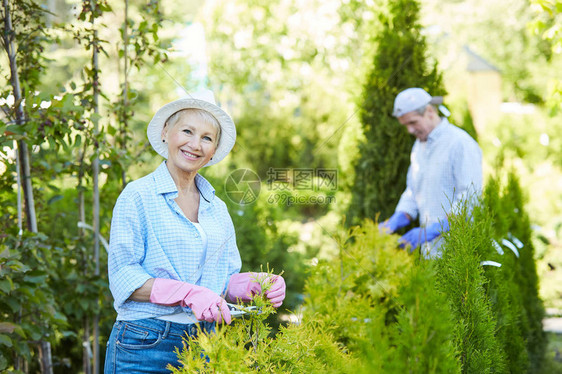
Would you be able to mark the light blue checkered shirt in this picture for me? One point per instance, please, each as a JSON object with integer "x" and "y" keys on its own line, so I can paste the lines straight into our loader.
{"x": 444, "y": 171}
{"x": 152, "y": 238}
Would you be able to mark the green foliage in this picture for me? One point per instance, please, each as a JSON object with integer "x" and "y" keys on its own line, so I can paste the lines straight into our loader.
{"x": 400, "y": 61}
{"x": 30, "y": 37}
{"x": 546, "y": 24}
{"x": 498, "y": 309}
{"x": 285, "y": 79}
{"x": 461, "y": 278}
{"x": 28, "y": 308}
{"x": 246, "y": 346}
{"x": 502, "y": 288}
{"x": 303, "y": 348}
{"x": 376, "y": 308}
{"x": 526, "y": 274}
{"x": 465, "y": 121}
{"x": 55, "y": 308}
{"x": 382, "y": 306}
{"x": 140, "y": 45}
{"x": 424, "y": 326}
{"x": 59, "y": 124}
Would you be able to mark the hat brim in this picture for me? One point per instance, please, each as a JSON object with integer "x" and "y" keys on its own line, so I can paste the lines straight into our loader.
{"x": 228, "y": 129}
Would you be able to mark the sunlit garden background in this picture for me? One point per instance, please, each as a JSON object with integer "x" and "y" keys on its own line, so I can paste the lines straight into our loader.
{"x": 310, "y": 86}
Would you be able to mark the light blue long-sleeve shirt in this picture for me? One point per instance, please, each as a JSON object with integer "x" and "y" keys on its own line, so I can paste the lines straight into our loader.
{"x": 444, "y": 171}
{"x": 152, "y": 238}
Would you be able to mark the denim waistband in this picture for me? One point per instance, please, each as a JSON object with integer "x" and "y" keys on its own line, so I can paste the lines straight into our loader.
{"x": 166, "y": 328}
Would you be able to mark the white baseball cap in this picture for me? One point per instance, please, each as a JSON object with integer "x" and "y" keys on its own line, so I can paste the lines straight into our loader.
{"x": 205, "y": 100}
{"x": 412, "y": 99}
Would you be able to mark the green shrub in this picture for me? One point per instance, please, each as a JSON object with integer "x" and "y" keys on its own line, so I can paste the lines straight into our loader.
{"x": 383, "y": 306}
{"x": 246, "y": 346}
{"x": 526, "y": 273}
{"x": 502, "y": 288}
{"x": 423, "y": 330}
{"x": 28, "y": 311}
{"x": 499, "y": 310}
{"x": 461, "y": 278}
{"x": 376, "y": 308}
{"x": 372, "y": 310}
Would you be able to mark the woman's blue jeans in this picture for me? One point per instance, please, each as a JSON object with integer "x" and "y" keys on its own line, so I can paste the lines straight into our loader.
{"x": 147, "y": 345}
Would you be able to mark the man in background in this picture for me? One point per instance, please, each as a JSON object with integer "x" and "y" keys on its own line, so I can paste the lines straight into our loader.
{"x": 445, "y": 170}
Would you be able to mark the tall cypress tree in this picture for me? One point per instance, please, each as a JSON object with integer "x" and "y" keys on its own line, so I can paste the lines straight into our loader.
{"x": 400, "y": 62}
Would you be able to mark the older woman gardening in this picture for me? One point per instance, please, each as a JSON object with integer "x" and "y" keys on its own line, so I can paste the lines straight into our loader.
{"x": 173, "y": 260}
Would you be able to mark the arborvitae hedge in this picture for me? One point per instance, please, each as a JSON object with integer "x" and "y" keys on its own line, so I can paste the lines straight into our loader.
{"x": 513, "y": 337}
{"x": 511, "y": 222}
{"x": 378, "y": 309}
{"x": 503, "y": 289}
{"x": 461, "y": 278}
{"x": 400, "y": 61}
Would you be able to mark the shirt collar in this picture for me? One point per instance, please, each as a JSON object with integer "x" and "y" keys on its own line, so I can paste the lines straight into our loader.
{"x": 438, "y": 130}
{"x": 165, "y": 183}
{"x": 163, "y": 179}
{"x": 205, "y": 188}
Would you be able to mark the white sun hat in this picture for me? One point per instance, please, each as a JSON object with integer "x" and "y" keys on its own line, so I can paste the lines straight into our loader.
{"x": 205, "y": 100}
{"x": 412, "y": 99}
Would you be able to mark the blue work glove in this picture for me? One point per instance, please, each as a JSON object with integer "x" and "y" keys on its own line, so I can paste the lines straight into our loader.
{"x": 420, "y": 235}
{"x": 397, "y": 221}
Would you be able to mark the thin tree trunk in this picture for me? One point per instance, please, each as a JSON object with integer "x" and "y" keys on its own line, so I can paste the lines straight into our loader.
{"x": 45, "y": 357}
{"x": 86, "y": 351}
{"x": 20, "y": 206}
{"x": 24, "y": 158}
{"x": 20, "y": 118}
{"x": 27, "y": 185}
{"x": 96, "y": 210}
{"x": 18, "y": 360}
{"x": 124, "y": 125}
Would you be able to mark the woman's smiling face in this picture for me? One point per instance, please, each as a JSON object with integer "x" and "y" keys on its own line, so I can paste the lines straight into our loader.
{"x": 192, "y": 142}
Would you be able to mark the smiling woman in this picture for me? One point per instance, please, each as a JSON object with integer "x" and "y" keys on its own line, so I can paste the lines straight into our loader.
{"x": 173, "y": 260}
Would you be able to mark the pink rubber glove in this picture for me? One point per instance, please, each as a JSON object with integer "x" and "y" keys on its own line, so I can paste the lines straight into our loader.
{"x": 205, "y": 304}
{"x": 244, "y": 286}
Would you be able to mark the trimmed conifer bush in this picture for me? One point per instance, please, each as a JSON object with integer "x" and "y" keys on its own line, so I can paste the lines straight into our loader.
{"x": 525, "y": 271}
{"x": 246, "y": 346}
{"x": 461, "y": 278}
{"x": 502, "y": 288}
{"x": 499, "y": 307}
{"x": 373, "y": 310}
